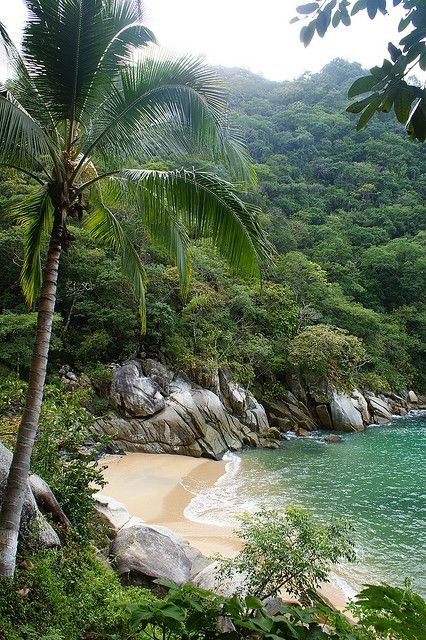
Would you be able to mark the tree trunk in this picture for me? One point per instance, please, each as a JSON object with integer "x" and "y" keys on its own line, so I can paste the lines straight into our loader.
{"x": 13, "y": 498}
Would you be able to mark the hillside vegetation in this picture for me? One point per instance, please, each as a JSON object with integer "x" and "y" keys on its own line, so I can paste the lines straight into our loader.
{"x": 346, "y": 213}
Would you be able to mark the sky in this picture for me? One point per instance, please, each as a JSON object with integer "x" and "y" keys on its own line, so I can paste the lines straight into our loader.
{"x": 254, "y": 35}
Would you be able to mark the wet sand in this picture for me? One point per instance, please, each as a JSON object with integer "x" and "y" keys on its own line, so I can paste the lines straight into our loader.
{"x": 158, "y": 488}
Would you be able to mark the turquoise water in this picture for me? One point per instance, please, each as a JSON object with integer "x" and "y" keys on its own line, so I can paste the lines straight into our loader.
{"x": 377, "y": 478}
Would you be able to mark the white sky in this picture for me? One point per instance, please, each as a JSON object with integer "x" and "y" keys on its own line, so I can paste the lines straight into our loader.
{"x": 255, "y": 35}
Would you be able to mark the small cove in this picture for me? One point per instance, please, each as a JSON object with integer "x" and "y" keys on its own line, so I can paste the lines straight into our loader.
{"x": 376, "y": 477}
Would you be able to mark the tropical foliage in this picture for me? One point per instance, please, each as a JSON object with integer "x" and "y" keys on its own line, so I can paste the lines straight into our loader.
{"x": 288, "y": 550}
{"x": 393, "y": 85}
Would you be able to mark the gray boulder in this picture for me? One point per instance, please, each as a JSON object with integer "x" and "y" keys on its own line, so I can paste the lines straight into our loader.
{"x": 324, "y": 416}
{"x": 412, "y": 397}
{"x": 35, "y": 530}
{"x": 361, "y": 404}
{"x": 143, "y": 553}
{"x": 209, "y": 580}
{"x": 134, "y": 394}
{"x": 291, "y": 412}
{"x": 380, "y": 409}
{"x": 333, "y": 437}
{"x": 344, "y": 414}
{"x": 159, "y": 373}
{"x": 113, "y": 513}
{"x": 190, "y": 420}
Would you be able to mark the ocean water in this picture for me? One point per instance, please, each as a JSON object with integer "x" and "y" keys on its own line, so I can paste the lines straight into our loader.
{"x": 377, "y": 478}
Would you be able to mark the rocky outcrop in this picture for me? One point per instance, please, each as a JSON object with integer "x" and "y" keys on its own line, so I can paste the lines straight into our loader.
{"x": 133, "y": 393}
{"x": 159, "y": 412}
{"x": 143, "y": 553}
{"x": 308, "y": 405}
{"x": 345, "y": 414}
{"x": 35, "y": 531}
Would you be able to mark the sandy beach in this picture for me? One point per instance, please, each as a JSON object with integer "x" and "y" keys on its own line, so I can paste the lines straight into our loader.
{"x": 158, "y": 488}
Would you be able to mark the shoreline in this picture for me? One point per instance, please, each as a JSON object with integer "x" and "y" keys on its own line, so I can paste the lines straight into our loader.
{"x": 158, "y": 488}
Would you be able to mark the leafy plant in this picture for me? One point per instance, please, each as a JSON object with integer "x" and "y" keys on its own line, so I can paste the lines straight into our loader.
{"x": 286, "y": 550}
{"x": 393, "y": 612}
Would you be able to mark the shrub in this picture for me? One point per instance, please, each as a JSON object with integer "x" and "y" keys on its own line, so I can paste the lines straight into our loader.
{"x": 325, "y": 351}
{"x": 60, "y": 455}
{"x": 67, "y": 595}
{"x": 287, "y": 550}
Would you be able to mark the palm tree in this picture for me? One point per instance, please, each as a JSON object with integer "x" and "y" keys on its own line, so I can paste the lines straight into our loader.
{"x": 89, "y": 92}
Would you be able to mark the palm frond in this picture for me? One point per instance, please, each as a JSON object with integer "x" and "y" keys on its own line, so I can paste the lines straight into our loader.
{"x": 167, "y": 106}
{"x": 22, "y": 141}
{"x": 105, "y": 228}
{"x": 67, "y": 44}
{"x": 206, "y": 204}
{"x": 22, "y": 86}
{"x": 171, "y": 235}
{"x": 34, "y": 214}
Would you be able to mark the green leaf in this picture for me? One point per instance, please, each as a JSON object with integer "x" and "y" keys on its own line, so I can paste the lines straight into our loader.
{"x": 369, "y": 112}
{"x": 322, "y": 23}
{"x": 394, "y": 52}
{"x": 345, "y": 17}
{"x": 402, "y": 104}
{"x": 417, "y": 123}
{"x": 372, "y": 8}
{"x": 307, "y": 33}
{"x": 34, "y": 214}
{"x": 336, "y": 19}
{"x": 362, "y": 85}
{"x": 174, "y": 612}
{"x": 358, "y": 6}
{"x": 253, "y": 603}
{"x": 104, "y": 227}
{"x": 305, "y": 9}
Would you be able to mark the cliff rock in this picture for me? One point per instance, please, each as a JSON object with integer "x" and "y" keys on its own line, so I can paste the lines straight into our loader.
{"x": 158, "y": 412}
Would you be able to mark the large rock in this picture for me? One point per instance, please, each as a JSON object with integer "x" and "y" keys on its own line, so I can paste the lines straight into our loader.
{"x": 134, "y": 394}
{"x": 46, "y": 500}
{"x": 380, "y": 409}
{"x": 143, "y": 553}
{"x": 324, "y": 416}
{"x": 344, "y": 414}
{"x": 159, "y": 373}
{"x": 209, "y": 580}
{"x": 192, "y": 420}
{"x": 35, "y": 530}
{"x": 361, "y": 404}
{"x": 113, "y": 513}
{"x": 290, "y": 412}
{"x": 412, "y": 397}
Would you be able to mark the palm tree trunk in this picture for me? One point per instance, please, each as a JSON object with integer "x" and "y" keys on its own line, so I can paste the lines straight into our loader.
{"x": 13, "y": 498}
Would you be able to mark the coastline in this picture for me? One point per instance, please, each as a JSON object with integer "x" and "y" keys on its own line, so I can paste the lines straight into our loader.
{"x": 158, "y": 488}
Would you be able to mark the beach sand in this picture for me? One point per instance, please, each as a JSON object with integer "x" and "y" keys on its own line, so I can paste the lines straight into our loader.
{"x": 158, "y": 488}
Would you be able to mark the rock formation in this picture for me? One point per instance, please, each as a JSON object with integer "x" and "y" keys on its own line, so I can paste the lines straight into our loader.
{"x": 158, "y": 412}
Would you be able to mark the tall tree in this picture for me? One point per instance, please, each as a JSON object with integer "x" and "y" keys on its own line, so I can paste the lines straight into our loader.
{"x": 389, "y": 85}
{"x": 81, "y": 103}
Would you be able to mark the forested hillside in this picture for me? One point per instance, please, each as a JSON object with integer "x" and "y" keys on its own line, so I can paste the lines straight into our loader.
{"x": 346, "y": 213}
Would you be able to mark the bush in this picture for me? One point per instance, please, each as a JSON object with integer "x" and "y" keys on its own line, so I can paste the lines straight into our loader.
{"x": 325, "y": 351}
{"x": 392, "y": 612}
{"x": 287, "y": 550}
{"x": 67, "y": 595}
{"x": 60, "y": 455}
